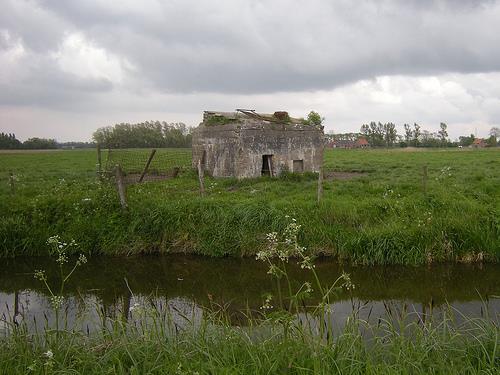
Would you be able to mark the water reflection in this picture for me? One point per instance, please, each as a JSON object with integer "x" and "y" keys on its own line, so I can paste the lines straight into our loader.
{"x": 107, "y": 290}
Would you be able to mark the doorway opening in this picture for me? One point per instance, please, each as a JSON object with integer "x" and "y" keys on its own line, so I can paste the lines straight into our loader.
{"x": 267, "y": 165}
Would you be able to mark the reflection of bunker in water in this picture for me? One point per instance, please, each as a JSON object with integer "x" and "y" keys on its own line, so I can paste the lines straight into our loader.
{"x": 248, "y": 144}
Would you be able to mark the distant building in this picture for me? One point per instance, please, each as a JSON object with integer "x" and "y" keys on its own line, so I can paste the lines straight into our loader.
{"x": 479, "y": 143}
{"x": 348, "y": 140}
{"x": 249, "y": 144}
{"x": 361, "y": 143}
{"x": 341, "y": 143}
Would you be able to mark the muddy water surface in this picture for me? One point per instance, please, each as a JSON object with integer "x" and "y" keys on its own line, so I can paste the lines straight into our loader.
{"x": 187, "y": 285}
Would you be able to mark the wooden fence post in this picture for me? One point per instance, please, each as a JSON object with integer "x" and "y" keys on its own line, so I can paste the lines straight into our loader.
{"x": 12, "y": 183}
{"x": 99, "y": 161}
{"x": 175, "y": 172}
{"x": 146, "y": 167}
{"x": 200, "y": 178}
{"x": 16, "y": 306}
{"x": 121, "y": 187}
{"x": 424, "y": 180}
{"x": 320, "y": 184}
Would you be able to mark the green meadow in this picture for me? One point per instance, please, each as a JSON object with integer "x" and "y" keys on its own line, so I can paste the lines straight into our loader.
{"x": 375, "y": 208}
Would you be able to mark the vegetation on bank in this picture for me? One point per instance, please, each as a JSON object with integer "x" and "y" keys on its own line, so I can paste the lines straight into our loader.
{"x": 222, "y": 349}
{"x": 373, "y": 210}
{"x": 293, "y": 338}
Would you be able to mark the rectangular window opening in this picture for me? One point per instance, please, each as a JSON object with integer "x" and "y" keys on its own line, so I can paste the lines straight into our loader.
{"x": 298, "y": 166}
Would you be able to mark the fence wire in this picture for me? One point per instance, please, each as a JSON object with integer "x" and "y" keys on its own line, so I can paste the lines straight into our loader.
{"x": 134, "y": 162}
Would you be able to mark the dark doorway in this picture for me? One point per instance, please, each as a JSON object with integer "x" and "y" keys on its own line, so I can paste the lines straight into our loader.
{"x": 204, "y": 159}
{"x": 298, "y": 166}
{"x": 267, "y": 165}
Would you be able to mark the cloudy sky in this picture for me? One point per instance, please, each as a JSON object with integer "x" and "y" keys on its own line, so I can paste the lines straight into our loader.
{"x": 69, "y": 67}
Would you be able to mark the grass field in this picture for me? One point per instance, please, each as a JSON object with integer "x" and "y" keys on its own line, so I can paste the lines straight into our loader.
{"x": 377, "y": 216}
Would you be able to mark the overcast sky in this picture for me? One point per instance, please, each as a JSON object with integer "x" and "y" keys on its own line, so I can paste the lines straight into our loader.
{"x": 69, "y": 67}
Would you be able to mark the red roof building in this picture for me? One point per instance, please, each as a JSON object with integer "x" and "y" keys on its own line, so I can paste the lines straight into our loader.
{"x": 479, "y": 143}
{"x": 361, "y": 143}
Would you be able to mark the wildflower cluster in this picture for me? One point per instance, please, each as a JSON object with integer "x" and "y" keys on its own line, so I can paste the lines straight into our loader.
{"x": 59, "y": 250}
{"x": 284, "y": 246}
{"x": 267, "y": 303}
{"x": 82, "y": 259}
{"x": 444, "y": 173}
{"x": 426, "y": 220}
{"x": 279, "y": 249}
{"x": 56, "y": 302}
{"x": 388, "y": 193}
{"x": 392, "y": 200}
{"x": 348, "y": 284}
{"x": 40, "y": 275}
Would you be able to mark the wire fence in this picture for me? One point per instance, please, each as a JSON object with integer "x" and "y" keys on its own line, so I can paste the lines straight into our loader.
{"x": 146, "y": 164}
{"x": 33, "y": 172}
{"x": 30, "y": 174}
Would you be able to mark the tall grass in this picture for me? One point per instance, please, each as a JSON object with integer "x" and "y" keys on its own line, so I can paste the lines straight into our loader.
{"x": 378, "y": 217}
{"x": 221, "y": 349}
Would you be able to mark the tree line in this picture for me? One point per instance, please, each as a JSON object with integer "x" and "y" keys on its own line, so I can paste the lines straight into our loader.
{"x": 144, "y": 135}
{"x": 162, "y": 134}
{"x": 386, "y": 135}
{"x": 8, "y": 141}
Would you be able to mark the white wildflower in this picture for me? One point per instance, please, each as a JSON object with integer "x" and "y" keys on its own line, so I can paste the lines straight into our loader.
{"x": 40, "y": 275}
{"x": 62, "y": 258}
{"x": 56, "y": 301}
{"x": 82, "y": 259}
{"x": 53, "y": 240}
{"x": 135, "y": 306}
{"x": 267, "y": 303}
{"x": 348, "y": 284}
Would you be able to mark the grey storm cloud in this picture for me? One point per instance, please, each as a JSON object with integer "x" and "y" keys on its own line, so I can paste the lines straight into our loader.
{"x": 252, "y": 47}
{"x": 68, "y": 67}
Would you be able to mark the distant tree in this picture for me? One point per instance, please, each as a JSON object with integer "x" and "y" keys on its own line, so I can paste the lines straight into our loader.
{"x": 466, "y": 141}
{"x": 9, "y": 141}
{"x": 491, "y": 141}
{"x": 314, "y": 118}
{"x": 40, "y": 144}
{"x": 390, "y": 134}
{"x": 374, "y": 133}
{"x": 365, "y": 130}
{"x": 416, "y": 134}
{"x": 408, "y": 133}
{"x": 428, "y": 139}
{"x": 443, "y": 134}
{"x": 495, "y": 132}
{"x": 378, "y": 134}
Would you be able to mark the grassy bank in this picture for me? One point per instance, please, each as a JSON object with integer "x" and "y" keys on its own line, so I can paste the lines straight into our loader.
{"x": 214, "y": 347}
{"x": 373, "y": 209}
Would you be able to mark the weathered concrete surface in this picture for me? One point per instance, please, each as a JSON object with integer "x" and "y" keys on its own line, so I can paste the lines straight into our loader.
{"x": 235, "y": 145}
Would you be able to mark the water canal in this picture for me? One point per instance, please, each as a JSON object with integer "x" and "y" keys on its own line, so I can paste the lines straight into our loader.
{"x": 187, "y": 285}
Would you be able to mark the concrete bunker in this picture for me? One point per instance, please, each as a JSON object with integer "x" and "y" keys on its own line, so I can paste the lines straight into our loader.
{"x": 247, "y": 144}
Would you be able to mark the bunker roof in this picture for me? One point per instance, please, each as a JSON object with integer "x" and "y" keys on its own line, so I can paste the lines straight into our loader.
{"x": 222, "y": 118}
